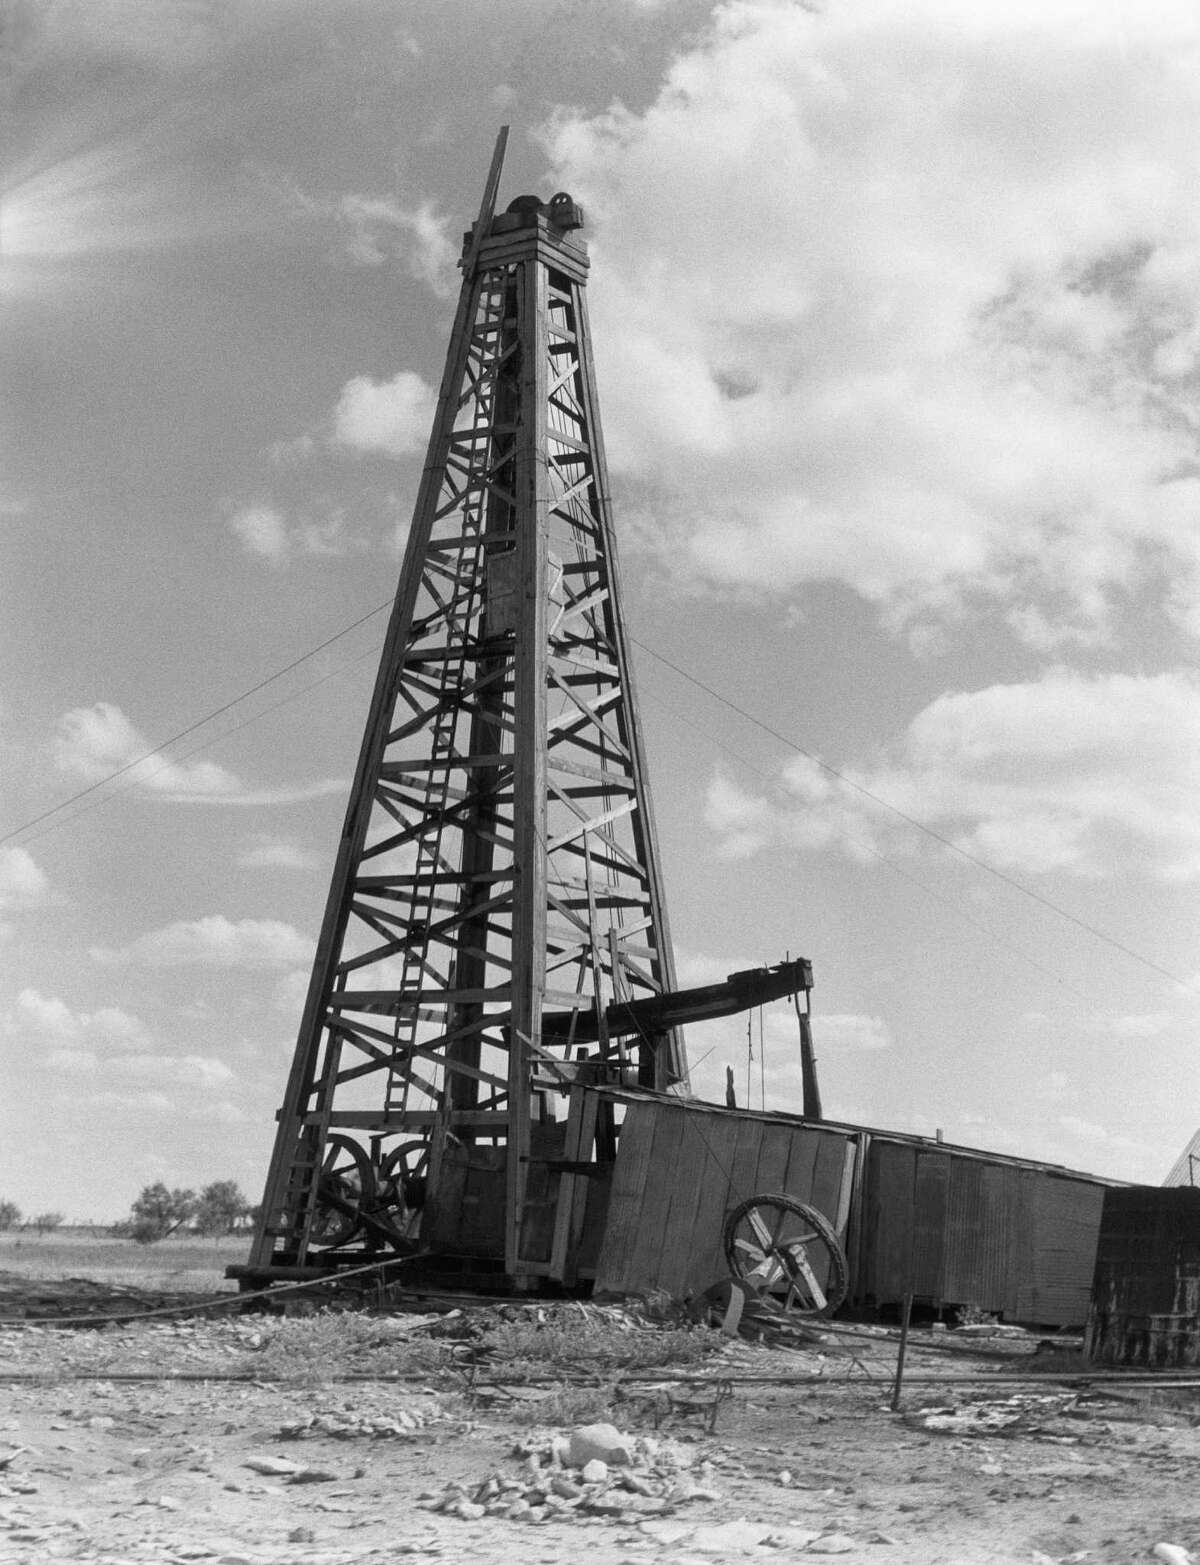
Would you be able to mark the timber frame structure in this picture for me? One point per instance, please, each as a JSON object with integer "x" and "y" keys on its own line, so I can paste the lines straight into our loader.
{"x": 496, "y": 887}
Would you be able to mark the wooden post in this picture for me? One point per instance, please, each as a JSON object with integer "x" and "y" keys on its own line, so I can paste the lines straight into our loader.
{"x": 902, "y": 1351}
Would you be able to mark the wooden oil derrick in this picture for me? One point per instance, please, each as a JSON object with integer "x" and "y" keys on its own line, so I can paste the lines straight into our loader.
{"x": 496, "y": 885}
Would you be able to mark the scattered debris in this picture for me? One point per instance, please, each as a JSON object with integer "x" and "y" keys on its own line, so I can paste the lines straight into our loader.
{"x": 1028, "y": 1415}
{"x": 408, "y": 1423}
{"x": 990, "y": 1328}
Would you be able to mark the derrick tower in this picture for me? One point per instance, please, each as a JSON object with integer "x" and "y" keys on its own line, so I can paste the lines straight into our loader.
{"x": 496, "y": 888}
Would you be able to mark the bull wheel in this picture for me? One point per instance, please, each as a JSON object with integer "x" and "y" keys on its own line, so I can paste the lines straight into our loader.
{"x": 402, "y": 1178}
{"x": 789, "y": 1252}
{"x": 346, "y": 1183}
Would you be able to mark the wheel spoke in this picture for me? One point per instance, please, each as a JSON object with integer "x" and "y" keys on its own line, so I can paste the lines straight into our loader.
{"x": 762, "y": 1233}
{"x": 751, "y": 1251}
{"x": 800, "y": 1266}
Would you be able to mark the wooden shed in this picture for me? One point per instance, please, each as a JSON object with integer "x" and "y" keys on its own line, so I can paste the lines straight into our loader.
{"x": 682, "y": 1165}
{"x": 956, "y": 1226}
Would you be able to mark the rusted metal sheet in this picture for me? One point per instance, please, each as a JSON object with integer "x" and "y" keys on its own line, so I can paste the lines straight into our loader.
{"x": 1066, "y": 1217}
{"x": 1145, "y": 1307}
{"x": 965, "y": 1229}
{"x": 931, "y": 1194}
{"x": 980, "y": 1261}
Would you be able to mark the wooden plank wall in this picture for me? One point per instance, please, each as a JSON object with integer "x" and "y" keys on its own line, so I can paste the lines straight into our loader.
{"x": 680, "y": 1169}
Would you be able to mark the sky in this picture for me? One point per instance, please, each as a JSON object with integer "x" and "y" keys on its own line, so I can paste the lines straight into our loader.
{"x": 896, "y": 317}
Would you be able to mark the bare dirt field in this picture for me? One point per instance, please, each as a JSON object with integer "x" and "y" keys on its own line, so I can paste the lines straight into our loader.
{"x": 335, "y": 1437}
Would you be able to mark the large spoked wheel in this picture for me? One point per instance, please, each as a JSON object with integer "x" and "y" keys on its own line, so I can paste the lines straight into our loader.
{"x": 345, "y": 1186}
{"x": 402, "y": 1181}
{"x": 789, "y": 1252}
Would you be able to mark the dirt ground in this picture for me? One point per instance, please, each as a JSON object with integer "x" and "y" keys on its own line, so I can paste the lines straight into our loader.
{"x": 291, "y": 1438}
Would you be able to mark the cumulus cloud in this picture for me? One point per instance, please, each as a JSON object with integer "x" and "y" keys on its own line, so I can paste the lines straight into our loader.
{"x": 743, "y": 823}
{"x": 265, "y": 531}
{"x": 53, "y": 1023}
{"x": 190, "y": 1070}
{"x": 906, "y": 298}
{"x": 215, "y": 941}
{"x": 391, "y": 416}
{"x": 94, "y": 742}
{"x": 99, "y": 742}
{"x": 1090, "y": 776}
{"x": 262, "y": 530}
{"x": 22, "y": 880}
{"x": 291, "y": 991}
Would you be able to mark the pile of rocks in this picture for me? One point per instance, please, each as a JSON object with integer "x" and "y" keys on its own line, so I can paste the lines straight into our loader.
{"x": 407, "y": 1423}
{"x": 594, "y": 1471}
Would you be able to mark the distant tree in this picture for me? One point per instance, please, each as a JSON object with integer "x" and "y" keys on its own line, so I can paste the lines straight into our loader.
{"x": 10, "y": 1214}
{"x": 158, "y": 1212}
{"x": 221, "y": 1208}
{"x": 44, "y": 1222}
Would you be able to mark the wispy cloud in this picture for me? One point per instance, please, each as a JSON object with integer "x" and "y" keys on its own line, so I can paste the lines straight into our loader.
{"x": 99, "y": 742}
{"x": 379, "y": 229}
{"x": 266, "y": 852}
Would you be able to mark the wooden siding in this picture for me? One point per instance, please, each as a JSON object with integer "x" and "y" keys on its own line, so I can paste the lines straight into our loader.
{"x": 681, "y": 1167}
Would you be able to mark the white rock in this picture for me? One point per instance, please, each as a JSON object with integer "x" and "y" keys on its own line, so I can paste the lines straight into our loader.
{"x": 730, "y": 1537}
{"x": 560, "y": 1451}
{"x": 594, "y": 1471}
{"x": 600, "y": 1442}
{"x": 665, "y": 1532}
{"x": 273, "y": 1466}
{"x": 832, "y": 1543}
{"x": 1172, "y": 1554}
